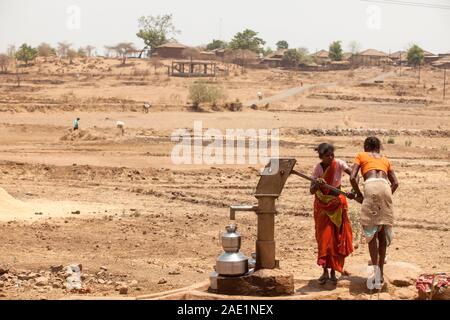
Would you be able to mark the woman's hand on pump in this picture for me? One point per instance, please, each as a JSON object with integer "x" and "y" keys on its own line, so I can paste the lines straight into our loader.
{"x": 320, "y": 181}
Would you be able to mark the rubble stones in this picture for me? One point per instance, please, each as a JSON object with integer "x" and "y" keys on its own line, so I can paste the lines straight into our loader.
{"x": 123, "y": 289}
{"x": 42, "y": 281}
{"x": 56, "y": 269}
{"x": 58, "y": 277}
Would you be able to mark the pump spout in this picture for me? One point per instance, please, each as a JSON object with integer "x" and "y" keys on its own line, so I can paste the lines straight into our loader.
{"x": 235, "y": 208}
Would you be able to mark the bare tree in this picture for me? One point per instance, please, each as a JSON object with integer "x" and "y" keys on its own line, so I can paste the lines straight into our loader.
{"x": 11, "y": 51}
{"x": 191, "y": 53}
{"x": 18, "y": 73}
{"x": 63, "y": 48}
{"x": 241, "y": 57}
{"x": 123, "y": 49}
{"x": 156, "y": 63}
{"x": 4, "y": 62}
{"x": 354, "y": 47}
{"x": 89, "y": 50}
{"x": 71, "y": 54}
{"x": 45, "y": 50}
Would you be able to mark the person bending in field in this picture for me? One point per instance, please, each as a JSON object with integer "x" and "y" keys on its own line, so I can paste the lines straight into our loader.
{"x": 76, "y": 124}
{"x": 377, "y": 214}
{"x": 332, "y": 226}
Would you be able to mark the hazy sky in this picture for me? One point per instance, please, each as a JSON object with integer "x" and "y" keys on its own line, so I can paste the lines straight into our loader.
{"x": 306, "y": 23}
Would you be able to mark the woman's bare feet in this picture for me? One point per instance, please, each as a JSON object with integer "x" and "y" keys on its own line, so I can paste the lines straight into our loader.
{"x": 333, "y": 278}
{"x": 323, "y": 279}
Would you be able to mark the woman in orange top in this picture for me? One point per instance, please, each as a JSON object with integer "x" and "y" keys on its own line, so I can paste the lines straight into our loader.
{"x": 332, "y": 226}
{"x": 377, "y": 214}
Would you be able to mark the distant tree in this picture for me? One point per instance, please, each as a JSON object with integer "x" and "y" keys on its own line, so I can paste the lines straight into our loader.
{"x": 11, "y": 51}
{"x": 305, "y": 57}
{"x": 82, "y": 53}
{"x": 63, "y": 48}
{"x": 415, "y": 55}
{"x": 89, "y": 50}
{"x": 18, "y": 73}
{"x": 123, "y": 49}
{"x": 267, "y": 51}
{"x": 71, "y": 54}
{"x": 156, "y": 30}
{"x": 247, "y": 40}
{"x": 292, "y": 57}
{"x": 45, "y": 50}
{"x": 216, "y": 44}
{"x": 336, "y": 51}
{"x": 242, "y": 57}
{"x": 26, "y": 53}
{"x": 156, "y": 63}
{"x": 191, "y": 53}
{"x": 354, "y": 47}
{"x": 4, "y": 62}
{"x": 283, "y": 44}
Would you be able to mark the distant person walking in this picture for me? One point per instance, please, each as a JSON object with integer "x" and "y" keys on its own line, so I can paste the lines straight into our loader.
{"x": 259, "y": 95}
{"x": 146, "y": 107}
{"x": 121, "y": 126}
{"x": 76, "y": 124}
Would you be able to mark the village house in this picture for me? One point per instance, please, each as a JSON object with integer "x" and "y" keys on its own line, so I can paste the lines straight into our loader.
{"x": 347, "y": 56}
{"x": 429, "y": 57}
{"x": 274, "y": 60}
{"x": 321, "y": 57}
{"x": 370, "y": 57}
{"x": 207, "y": 55}
{"x": 399, "y": 57}
{"x": 443, "y": 61}
{"x": 171, "y": 50}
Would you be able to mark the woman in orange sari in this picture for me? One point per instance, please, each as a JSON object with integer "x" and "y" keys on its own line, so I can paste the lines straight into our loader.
{"x": 333, "y": 228}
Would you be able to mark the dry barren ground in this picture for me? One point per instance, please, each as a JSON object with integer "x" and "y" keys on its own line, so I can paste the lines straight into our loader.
{"x": 118, "y": 206}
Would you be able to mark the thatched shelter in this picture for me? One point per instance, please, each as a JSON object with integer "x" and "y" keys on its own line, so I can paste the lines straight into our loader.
{"x": 171, "y": 50}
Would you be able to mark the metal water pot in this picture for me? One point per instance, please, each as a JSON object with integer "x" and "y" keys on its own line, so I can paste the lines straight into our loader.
{"x": 232, "y": 262}
{"x": 231, "y": 240}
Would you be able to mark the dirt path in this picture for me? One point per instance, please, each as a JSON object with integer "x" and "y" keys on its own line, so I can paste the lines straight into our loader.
{"x": 298, "y": 90}
{"x": 287, "y": 94}
{"x": 381, "y": 77}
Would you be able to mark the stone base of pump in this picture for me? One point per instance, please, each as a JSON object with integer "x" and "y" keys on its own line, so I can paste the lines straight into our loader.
{"x": 261, "y": 283}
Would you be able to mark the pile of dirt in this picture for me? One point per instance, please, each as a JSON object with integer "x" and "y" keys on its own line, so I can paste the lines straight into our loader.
{"x": 10, "y": 207}
{"x": 83, "y": 135}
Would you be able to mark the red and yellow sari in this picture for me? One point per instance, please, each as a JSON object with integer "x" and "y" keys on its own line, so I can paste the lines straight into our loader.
{"x": 333, "y": 228}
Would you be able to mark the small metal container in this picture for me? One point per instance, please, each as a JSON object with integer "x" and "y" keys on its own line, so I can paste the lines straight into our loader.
{"x": 213, "y": 280}
{"x": 231, "y": 240}
{"x": 232, "y": 262}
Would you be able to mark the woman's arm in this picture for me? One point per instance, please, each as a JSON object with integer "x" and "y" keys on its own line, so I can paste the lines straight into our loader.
{"x": 393, "y": 179}
{"x": 354, "y": 180}
{"x": 351, "y": 195}
{"x": 313, "y": 188}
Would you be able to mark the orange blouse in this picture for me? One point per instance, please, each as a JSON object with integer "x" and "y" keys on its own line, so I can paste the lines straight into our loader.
{"x": 368, "y": 163}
